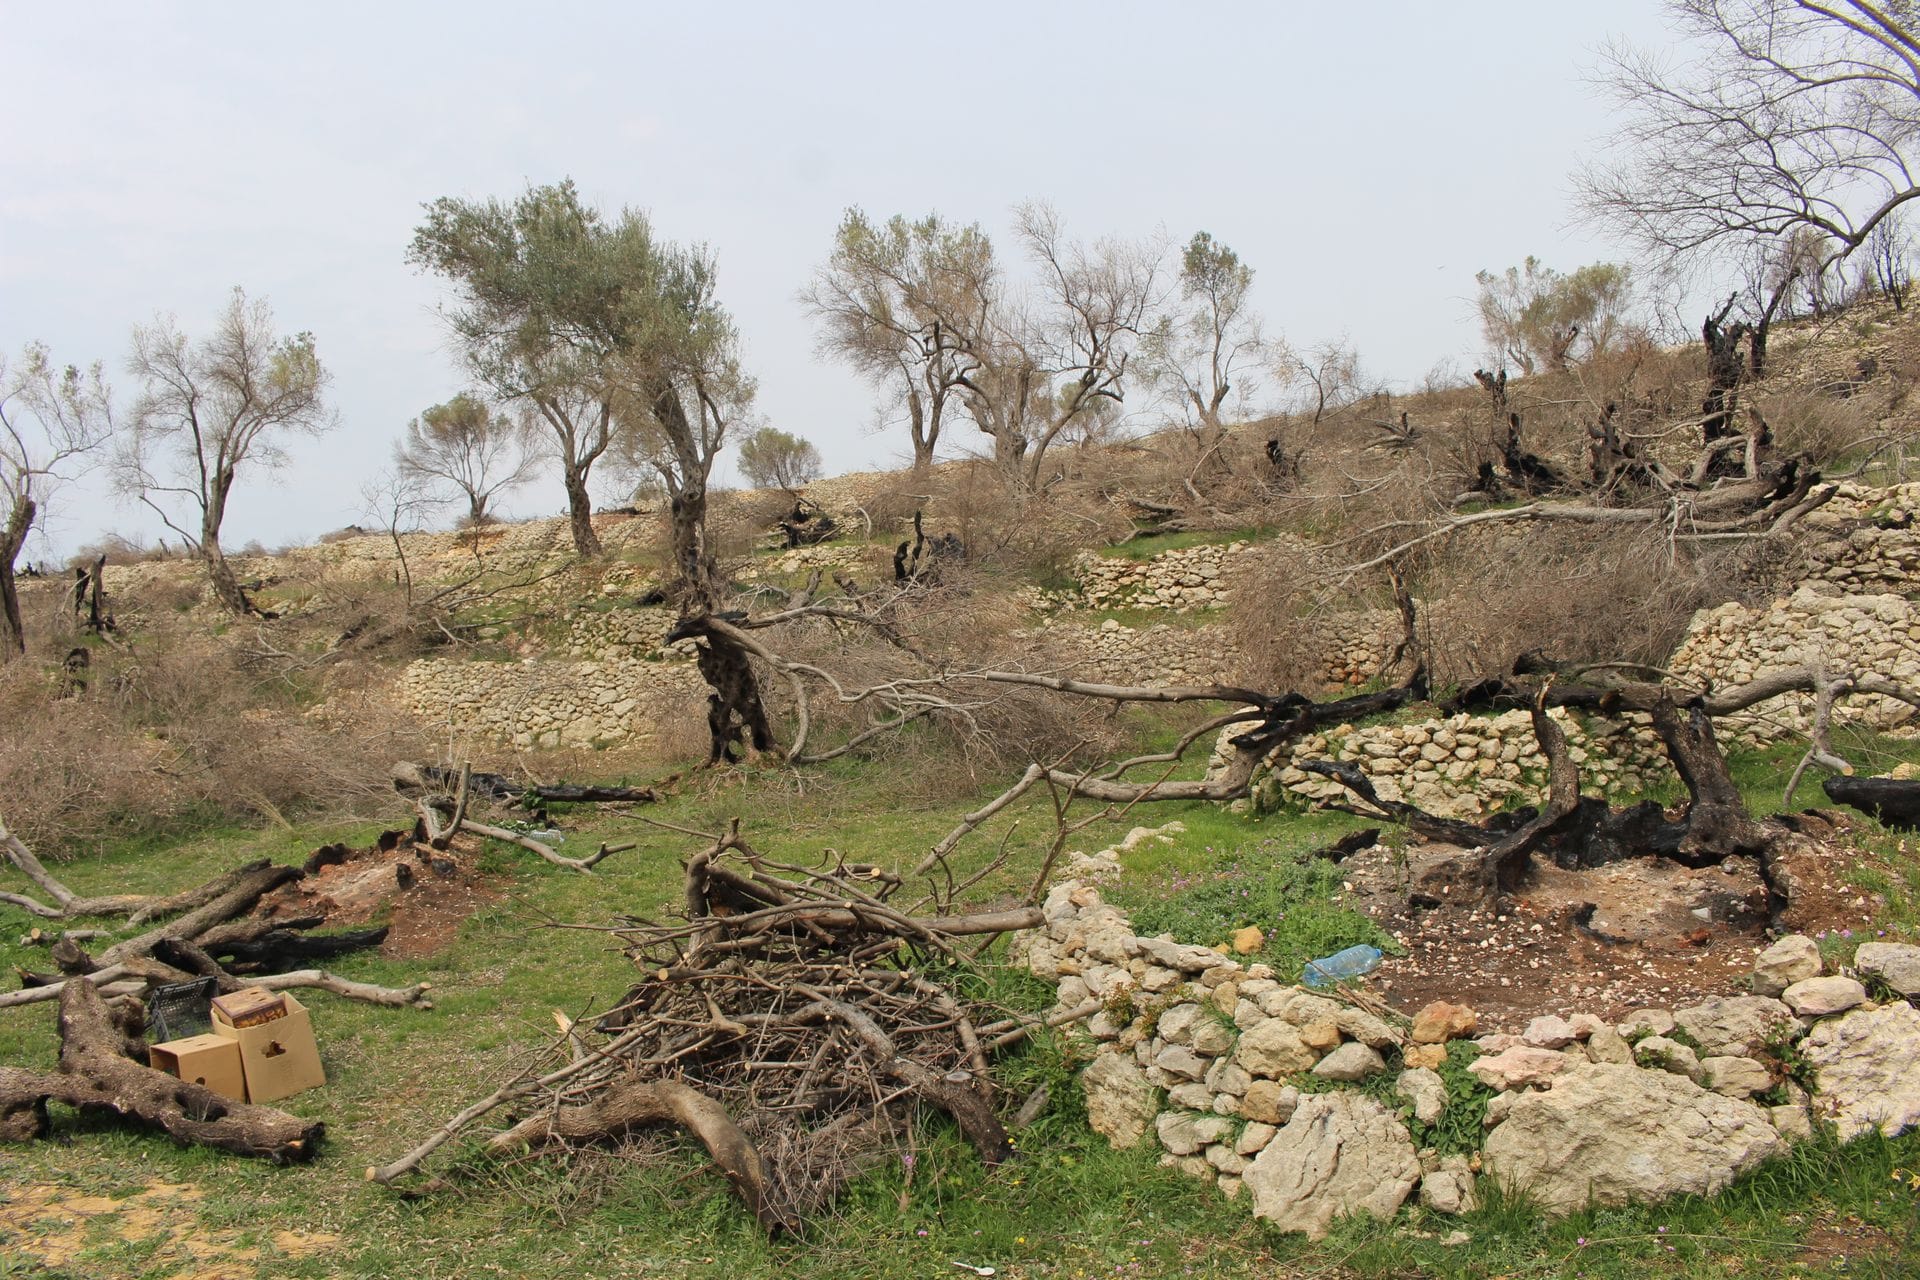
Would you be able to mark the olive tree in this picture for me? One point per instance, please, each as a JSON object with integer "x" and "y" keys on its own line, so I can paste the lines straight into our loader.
{"x": 1204, "y": 355}
{"x": 51, "y": 420}
{"x": 212, "y": 410}
{"x": 771, "y": 458}
{"x": 465, "y": 451}
{"x": 1538, "y": 318}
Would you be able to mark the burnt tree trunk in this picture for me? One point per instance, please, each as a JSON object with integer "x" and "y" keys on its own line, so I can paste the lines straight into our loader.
{"x": 1894, "y": 801}
{"x": 13, "y": 632}
{"x": 1725, "y": 364}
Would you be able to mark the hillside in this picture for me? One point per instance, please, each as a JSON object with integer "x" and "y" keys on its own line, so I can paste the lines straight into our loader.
{"x": 1525, "y": 641}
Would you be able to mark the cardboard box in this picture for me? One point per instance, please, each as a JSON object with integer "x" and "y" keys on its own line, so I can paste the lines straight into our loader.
{"x": 210, "y": 1060}
{"x": 278, "y": 1054}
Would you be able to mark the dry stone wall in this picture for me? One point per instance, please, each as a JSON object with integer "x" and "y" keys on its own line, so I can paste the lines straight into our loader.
{"x": 1236, "y": 1076}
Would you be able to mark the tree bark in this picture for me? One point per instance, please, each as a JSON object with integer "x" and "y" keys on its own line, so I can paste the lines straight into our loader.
{"x": 580, "y": 513}
{"x": 13, "y": 631}
{"x": 96, "y": 1074}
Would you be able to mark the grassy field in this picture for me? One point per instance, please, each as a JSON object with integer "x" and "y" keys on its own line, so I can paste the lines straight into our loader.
{"x": 106, "y": 1202}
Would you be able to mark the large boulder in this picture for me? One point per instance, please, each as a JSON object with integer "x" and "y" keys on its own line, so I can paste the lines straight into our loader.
{"x": 1610, "y": 1134}
{"x": 1867, "y": 1070}
{"x": 1120, "y": 1101}
{"x": 1341, "y": 1153}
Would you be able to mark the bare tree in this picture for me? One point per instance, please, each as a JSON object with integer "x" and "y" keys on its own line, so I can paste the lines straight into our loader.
{"x": 465, "y": 450}
{"x": 50, "y": 420}
{"x": 1886, "y": 269}
{"x": 1796, "y": 113}
{"x": 1056, "y": 357}
{"x": 210, "y": 409}
{"x": 1201, "y": 357}
{"x": 907, "y": 304}
{"x": 1327, "y": 377}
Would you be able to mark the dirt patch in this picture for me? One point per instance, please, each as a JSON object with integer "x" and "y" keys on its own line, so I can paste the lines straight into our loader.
{"x": 65, "y": 1230}
{"x": 1632, "y": 934}
{"x": 421, "y": 894}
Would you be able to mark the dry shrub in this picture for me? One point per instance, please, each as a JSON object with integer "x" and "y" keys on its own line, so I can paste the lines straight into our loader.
{"x": 961, "y": 626}
{"x": 1820, "y": 424}
{"x": 182, "y": 727}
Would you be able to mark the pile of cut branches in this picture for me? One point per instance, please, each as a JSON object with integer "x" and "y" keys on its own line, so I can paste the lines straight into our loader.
{"x": 793, "y": 1022}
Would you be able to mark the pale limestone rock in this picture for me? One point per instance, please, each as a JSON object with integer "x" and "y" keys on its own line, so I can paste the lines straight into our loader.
{"x": 1608, "y": 1045}
{"x": 1267, "y": 1102}
{"x": 1341, "y": 1153}
{"x": 1895, "y": 963}
{"x": 1449, "y": 1189}
{"x": 1358, "y": 1024}
{"x": 1735, "y": 1077}
{"x": 1548, "y": 1032}
{"x": 1653, "y": 1022}
{"x": 1657, "y": 1053}
{"x": 1120, "y": 1102}
{"x": 1426, "y": 1091}
{"x": 1254, "y": 1138}
{"x": 1794, "y": 958}
{"x": 1176, "y": 1024}
{"x": 1517, "y": 1066}
{"x": 1609, "y": 1134}
{"x": 1183, "y": 1134}
{"x": 1351, "y": 1061}
{"x": 1274, "y": 1049}
{"x": 1210, "y": 1039}
{"x": 1819, "y": 997}
{"x": 1867, "y": 1070}
{"x": 1737, "y": 1025}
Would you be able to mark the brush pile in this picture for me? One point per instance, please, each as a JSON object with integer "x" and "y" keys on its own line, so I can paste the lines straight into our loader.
{"x": 793, "y": 1022}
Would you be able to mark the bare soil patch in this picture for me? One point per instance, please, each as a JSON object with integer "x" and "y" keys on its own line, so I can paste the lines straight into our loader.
{"x": 57, "y": 1227}
{"x": 421, "y": 894}
{"x": 1605, "y": 940}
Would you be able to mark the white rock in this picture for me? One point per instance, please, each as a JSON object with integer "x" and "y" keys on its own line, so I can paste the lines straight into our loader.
{"x": 1895, "y": 963}
{"x": 1609, "y": 1134}
{"x": 1427, "y": 1092}
{"x": 1120, "y": 1102}
{"x": 1351, "y": 1061}
{"x": 1341, "y": 1153}
{"x": 1794, "y": 958}
{"x": 1867, "y": 1070}
{"x": 1818, "y": 997}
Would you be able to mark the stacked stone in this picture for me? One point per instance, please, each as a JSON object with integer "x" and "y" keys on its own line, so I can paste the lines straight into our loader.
{"x": 1160, "y": 653}
{"x": 1179, "y": 581}
{"x": 544, "y": 704}
{"x": 1734, "y": 644}
{"x": 1207, "y": 1057}
{"x": 1466, "y": 766}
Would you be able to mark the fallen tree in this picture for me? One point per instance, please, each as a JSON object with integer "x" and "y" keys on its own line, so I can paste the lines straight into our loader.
{"x": 101, "y": 1070}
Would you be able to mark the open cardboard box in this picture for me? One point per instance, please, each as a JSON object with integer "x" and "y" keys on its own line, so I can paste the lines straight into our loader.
{"x": 277, "y": 1051}
{"x": 210, "y": 1060}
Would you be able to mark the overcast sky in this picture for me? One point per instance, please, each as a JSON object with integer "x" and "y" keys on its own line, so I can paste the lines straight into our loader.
{"x": 1365, "y": 159}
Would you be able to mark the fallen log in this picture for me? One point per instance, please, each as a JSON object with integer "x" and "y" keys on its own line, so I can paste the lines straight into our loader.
{"x": 1894, "y": 801}
{"x": 96, "y": 1074}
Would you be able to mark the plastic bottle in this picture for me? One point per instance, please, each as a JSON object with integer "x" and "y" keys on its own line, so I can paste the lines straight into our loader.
{"x": 551, "y": 836}
{"x": 1341, "y": 965}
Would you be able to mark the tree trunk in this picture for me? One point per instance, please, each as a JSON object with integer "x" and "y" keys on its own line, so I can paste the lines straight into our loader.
{"x": 580, "y": 513}
{"x": 13, "y": 632}
{"x": 226, "y": 587}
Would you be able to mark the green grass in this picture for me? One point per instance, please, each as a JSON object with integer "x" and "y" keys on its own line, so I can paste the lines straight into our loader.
{"x": 1070, "y": 1206}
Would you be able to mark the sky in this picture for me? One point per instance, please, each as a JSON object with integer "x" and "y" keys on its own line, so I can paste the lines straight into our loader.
{"x": 1365, "y": 160}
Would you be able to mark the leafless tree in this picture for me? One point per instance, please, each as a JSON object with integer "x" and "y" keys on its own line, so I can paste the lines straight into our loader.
{"x": 1796, "y": 114}
{"x": 50, "y": 421}
{"x": 907, "y": 305}
{"x": 210, "y": 409}
{"x": 465, "y": 450}
{"x": 1058, "y": 354}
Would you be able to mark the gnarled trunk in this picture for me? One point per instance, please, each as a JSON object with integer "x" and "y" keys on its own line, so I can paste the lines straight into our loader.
{"x": 580, "y": 513}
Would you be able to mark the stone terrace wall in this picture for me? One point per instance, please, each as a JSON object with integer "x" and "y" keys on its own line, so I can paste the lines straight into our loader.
{"x": 1468, "y": 766}
{"x": 1236, "y": 1075}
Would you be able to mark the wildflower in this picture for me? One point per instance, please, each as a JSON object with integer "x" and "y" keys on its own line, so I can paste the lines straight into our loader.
{"x": 1663, "y": 1231}
{"x": 921, "y": 1232}
{"x": 1582, "y": 1241}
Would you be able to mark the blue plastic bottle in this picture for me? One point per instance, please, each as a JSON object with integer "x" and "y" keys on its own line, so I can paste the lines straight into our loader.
{"x": 1341, "y": 965}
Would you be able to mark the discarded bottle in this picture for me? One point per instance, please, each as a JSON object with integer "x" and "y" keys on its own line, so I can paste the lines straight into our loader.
{"x": 1340, "y": 966}
{"x": 551, "y": 836}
